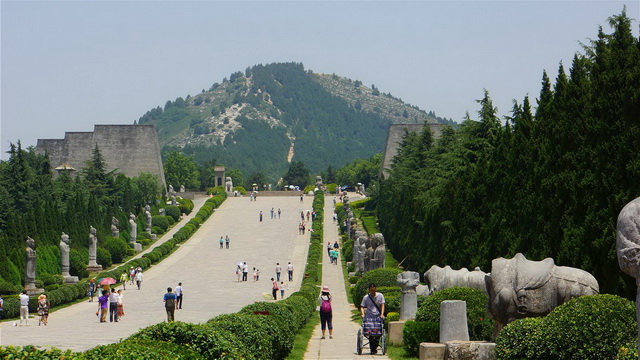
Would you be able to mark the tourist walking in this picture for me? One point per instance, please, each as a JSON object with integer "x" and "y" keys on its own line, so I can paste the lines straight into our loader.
{"x": 372, "y": 312}
{"x": 272, "y": 213}
{"x": 226, "y": 240}
{"x": 179, "y": 293}
{"x": 1, "y": 306}
{"x": 120, "y": 305}
{"x": 170, "y": 304}
{"x": 282, "y": 288}
{"x": 279, "y": 213}
{"x": 260, "y": 215}
{"x": 329, "y": 248}
{"x": 239, "y": 272}
{"x": 123, "y": 279}
{"x": 301, "y": 198}
{"x": 43, "y": 309}
{"x": 326, "y": 313}
{"x": 302, "y": 215}
{"x": 113, "y": 306}
{"x": 91, "y": 289}
{"x": 132, "y": 275}
{"x": 255, "y": 275}
{"x": 103, "y": 302}
{"x": 290, "y": 271}
{"x": 221, "y": 241}
{"x": 278, "y": 271}
{"x": 245, "y": 271}
{"x": 139, "y": 279}
{"x": 24, "y": 307}
{"x": 274, "y": 288}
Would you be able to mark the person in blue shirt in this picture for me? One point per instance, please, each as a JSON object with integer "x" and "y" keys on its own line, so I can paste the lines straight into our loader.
{"x": 170, "y": 304}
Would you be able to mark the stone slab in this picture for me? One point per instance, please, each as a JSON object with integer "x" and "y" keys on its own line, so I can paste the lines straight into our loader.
{"x": 453, "y": 321}
{"x": 432, "y": 351}
{"x": 470, "y": 350}
{"x": 395, "y": 332}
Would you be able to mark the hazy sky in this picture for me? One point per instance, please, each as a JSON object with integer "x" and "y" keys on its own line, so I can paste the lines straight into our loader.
{"x": 67, "y": 65}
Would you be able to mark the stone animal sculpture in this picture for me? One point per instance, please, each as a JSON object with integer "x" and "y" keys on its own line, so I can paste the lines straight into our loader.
{"x": 438, "y": 278}
{"x": 520, "y": 288}
{"x": 628, "y": 246}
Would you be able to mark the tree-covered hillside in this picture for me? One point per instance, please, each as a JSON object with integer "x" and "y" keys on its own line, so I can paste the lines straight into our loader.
{"x": 547, "y": 185}
{"x": 270, "y": 115}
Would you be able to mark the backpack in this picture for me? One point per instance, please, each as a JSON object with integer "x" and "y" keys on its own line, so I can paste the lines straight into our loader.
{"x": 325, "y": 307}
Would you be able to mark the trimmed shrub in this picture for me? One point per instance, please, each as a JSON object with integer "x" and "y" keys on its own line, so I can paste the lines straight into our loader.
{"x": 144, "y": 241}
{"x": 49, "y": 279}
{"x": 32, "y": 352}
{"x": 331, "y": 188}
{"x": 39, "y": 283}
{"x": 354, "y": 279}
{"x": 142, "y": 349}
{"x": 77, "y": 262}
{"x": 103, "y": 257}
{"x": 416, "y": 332}
{"x": 157, "y": 230}
{"x": 173, "y": 211}
{"x": 160, "y": 221}
{"x": 51, "y": 287}
{"x": 240, "y": 189}
{"x": 380, "y": 277}
{"x": 211, "y": 344}
{"x": 143, "y": 235}
{"x": 117, "y": 248}
{"x": 517, "y": 340}
{"x": 170, "y": 220}
{"x": 480, "y": 325}
{"x": 7, "y": 288}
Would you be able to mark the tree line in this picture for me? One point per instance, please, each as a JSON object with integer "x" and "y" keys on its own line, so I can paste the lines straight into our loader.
{"x": 547, "y": 182}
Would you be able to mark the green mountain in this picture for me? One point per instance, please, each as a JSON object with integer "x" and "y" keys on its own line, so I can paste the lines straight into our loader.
{"x": 270, "y": 115}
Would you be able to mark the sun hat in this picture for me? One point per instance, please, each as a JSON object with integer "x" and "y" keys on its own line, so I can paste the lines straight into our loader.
{"x": 325, "y": 289}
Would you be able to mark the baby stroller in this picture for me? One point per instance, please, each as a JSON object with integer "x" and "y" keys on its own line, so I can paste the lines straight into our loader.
{"x": 373, "y": 331}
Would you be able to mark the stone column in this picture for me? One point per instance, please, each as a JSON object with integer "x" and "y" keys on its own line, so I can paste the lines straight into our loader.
{"x": 408, "y": 281}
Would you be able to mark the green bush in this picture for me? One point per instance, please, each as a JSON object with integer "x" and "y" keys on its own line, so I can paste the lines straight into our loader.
{"x": 117, "y": 248}
{"x": 39, "y": 284}
{"x": 32, "y": 352}
{"x": 144, "y": 235}
{"x": 130, "y": 251}
{"x": 186, "y": 206}
{"x": 144, "y": 241}
{"x": 143, "y": 349}
{"x": 588, "y": 327}
{"x": 480, "y": 325}
{"x": 170, "y": 220}
{"x": 161, "y": 222}
{"x": 51, "y": 287}
{"x": 173, "y": 211}
{"x": 103, "y": 257}
{"x": 331, "y": 188}
{"x": 157, "y": 230}
{"x": 380, "y": 277}
{"x": 77, "y": 262}
{"x": 354, "y": 279}
{"x": 517, "y": 340}
{"x": 7, "y": 288}
{"x": 240, "y": 189}
{"x": 370, "y": 225}
{"x": 216, "y": 190}
{"x": 416, "y": 332}
{"x": 211, "y": 344}
{"x": 49, "y": 279}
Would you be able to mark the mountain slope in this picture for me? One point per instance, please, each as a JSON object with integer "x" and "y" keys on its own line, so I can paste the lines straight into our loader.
{"x": 262, "y": 119}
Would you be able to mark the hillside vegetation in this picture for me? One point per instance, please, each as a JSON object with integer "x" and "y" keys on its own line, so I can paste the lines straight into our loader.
{"x": 262, "y": 119}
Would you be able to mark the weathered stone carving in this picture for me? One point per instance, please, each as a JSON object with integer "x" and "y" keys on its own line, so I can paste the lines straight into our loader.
{"x": 628, "y": 246}
{"x": 379, "y": 253}
{"x": 64, "y": 260}
{"x": 408, "y": 281}
{"x": 133, "y": 233}
{"x": 30, "y": 269}
{"x": 182, "y": 188}
{"x": 319, "y": 183}
{"x": 93, "y": 248}
{"x": 147, "y": 215}
{"x": 521, "y": 288}
{"x": 361, "y": 251}
{"x": 438, "y": 278}
{"x": 115, "y": 232}
{"x": 228, "y": 185}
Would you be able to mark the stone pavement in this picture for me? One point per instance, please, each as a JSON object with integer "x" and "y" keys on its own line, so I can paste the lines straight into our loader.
{"x": 343, "y": 344}
{"x": 207, "y": 274}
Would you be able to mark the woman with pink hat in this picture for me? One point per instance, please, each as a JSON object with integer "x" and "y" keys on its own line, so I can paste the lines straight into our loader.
{"x": 326, "y": 314}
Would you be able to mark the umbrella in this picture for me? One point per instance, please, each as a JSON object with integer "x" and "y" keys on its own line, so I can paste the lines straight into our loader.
{"x": 107, "y": 281}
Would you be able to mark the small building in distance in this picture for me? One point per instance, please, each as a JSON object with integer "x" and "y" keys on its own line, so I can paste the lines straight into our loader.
{"x": 129, "y": 149}
{"x": 395, "y": 134}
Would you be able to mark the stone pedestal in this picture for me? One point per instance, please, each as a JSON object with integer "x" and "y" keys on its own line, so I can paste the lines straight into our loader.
{"x": 453, "y": 321}
{"x": 71, "y": 279}
{"x": 154, "y": 237}
{"x": 395, "y": 332}
{"x": 94, "y": 268}
{"x": 470, "y": 350}
{"x": 31, "y": 290}
{"x": 408, "y": 306}
{"x": 136, "y": 246}
{"x": 432, "y": 351}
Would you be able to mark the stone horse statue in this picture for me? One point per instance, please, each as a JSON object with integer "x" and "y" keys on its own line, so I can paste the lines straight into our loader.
{"x": 438, "y": 278}
{"x": 520, "y": 288}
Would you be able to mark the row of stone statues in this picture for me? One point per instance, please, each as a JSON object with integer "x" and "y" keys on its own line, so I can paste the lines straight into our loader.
{"x": 369, "y": 253}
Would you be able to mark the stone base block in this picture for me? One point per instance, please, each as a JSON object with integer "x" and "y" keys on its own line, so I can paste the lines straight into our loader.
{"x": 94, "y": 268}
{"x": 136, "y": 246}
{"x": 34, "y": 291}
{"x": 71, "y": 279}
{"x": 470, "y": 350}
{"x": 432, "y": 351}
{"x": 395, "y": 332}
{"x": 154, "y": 237}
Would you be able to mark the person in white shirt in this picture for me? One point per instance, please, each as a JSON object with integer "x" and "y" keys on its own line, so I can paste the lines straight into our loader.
{"x": 245, "y": 271}
{"x": 113, "y": 306}
{"x": 24, "y": 307}
{"x": 278, "y": 271}
{"x": 179, "y": 294}
{"x": 290, "y": 271}
{"x": 138, "y": 279}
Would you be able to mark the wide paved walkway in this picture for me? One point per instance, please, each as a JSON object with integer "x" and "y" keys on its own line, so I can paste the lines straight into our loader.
{"x": 343, "y": 344}
{"x": 207, "y": 274}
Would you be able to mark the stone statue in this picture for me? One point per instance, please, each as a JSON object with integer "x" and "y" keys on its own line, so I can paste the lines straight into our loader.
{"x": 64, "y": 254}
{"x": 443, "y": 278}
{"x": 408, "y": 281}
{"x": 368, "y": 254}
{"x": 93, "y": 248}
{"x": 133, "y": 233}
{"x": 171, "y": 191}
{"x": 64, "y": 260}
{"x": 133, "y": 228}
{"x": 174, "y": 201}
{"x": 320, "y": 184}
{"x": 380, "y": 252}
{"x": 520, "y": 288}
{"x": 362, "y": 250}
{"x": 628, "y": 245}
{"x": 115, "y": 233}
{"x": 182, "y": 188}
{"x": 147, "y": 215}
{"x": 30, "y": 273}
{"x": 228, "y": 185}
